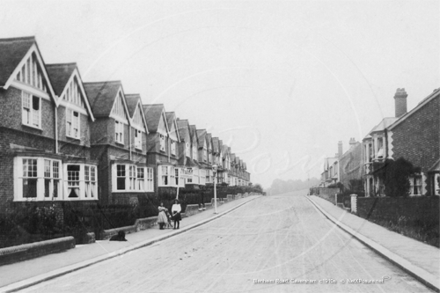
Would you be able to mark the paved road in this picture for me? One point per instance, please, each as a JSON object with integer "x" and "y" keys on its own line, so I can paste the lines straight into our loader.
{"x": 272, "y": 244}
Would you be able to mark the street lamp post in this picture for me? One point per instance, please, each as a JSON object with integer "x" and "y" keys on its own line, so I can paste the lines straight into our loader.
{"x": 214, "y": 171}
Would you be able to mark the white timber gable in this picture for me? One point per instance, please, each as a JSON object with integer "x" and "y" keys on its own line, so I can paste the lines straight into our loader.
{"x": 30, "y": 76}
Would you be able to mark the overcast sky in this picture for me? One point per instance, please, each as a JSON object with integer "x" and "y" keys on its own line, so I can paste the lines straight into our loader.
{"x": 281, "y": 82}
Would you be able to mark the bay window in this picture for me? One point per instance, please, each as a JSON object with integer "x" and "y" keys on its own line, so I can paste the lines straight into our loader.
{"x": 150, "y": 180}
{"x": 40, "y": 179}
{"x": 131, "y": 178}
{"x": 29, "y": 178}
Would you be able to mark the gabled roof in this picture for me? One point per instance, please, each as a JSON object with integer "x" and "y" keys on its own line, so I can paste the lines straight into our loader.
{"x": 215, "y": 145}
{"x": 201, "y": 135}
{"x": 171, "y": 120}
{"x": 209, "y": 139}
{"x": 153, "y": 114}
{"x": 60, "y": 75}
{"x": 426, "y": 100}
{"x": 193, "y": 133}
{"x": 134, "y": 101}
{"x": 225, "y": 150}
{"x": 12, "y": 51}
{"x": 183, "y": 129}
{"x": 102, "y": 96}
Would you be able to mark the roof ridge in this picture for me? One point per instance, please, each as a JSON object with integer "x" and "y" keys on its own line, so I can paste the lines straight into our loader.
{"x": 97, "y": 82}
{"x": 18, "y": 39}
{"x": 61, "y": 64}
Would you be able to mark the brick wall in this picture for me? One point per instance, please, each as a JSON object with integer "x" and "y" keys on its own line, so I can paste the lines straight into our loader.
{"x": 84, "y": 128}
{"x": 417, "y": 137}
{"x": 99, "y": 131}
{"x": 12, "y": 103}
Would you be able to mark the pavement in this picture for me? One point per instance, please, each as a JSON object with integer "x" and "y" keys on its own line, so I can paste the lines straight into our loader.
{"x": 420, "y": 260}
{"x": 27, "y": 273}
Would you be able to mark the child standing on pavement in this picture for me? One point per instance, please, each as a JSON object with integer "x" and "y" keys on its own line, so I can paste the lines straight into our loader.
{"x": 175, "y": 210}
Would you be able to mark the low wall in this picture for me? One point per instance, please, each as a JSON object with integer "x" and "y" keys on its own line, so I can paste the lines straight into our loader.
{"x": 140, "y": 224}
{"x": 17, "y": 253}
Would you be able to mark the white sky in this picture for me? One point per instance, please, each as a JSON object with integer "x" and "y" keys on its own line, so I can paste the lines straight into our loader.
{"x": 281, "y": 82}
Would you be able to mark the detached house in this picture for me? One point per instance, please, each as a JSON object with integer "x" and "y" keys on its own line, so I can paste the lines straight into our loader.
{"x": 414, "y": 136}
{"x": 123, "y": 173}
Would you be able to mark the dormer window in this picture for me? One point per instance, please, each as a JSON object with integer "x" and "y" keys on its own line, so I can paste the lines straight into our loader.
{"x": 31, "y": 110}
{"x": 72, "y": 124}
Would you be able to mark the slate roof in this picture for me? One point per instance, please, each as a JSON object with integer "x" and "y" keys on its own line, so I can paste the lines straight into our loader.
{"x": 209, "y": 138}
{"x": 132, "y": 101}
{"x": 153, "y": 114}
{"x": 201, "y": 134}
{"x": 193, "y": 131}
{"x": 384, "y": 124}
{"x": 102, "y": 96}
{"x": 59, "y": 75}
{"x": 225, "y": 150}
{"x": 170, "y": 117}
{"x": 183, "y": 128}
{"x": 12, "y": 51}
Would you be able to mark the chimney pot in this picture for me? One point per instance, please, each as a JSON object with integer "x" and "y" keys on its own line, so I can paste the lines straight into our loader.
{"x": 400, "y": 102}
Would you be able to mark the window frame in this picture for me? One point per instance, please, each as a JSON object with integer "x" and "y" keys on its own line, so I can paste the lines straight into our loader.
{"x": 31, "y": 111}
{"x": 119, "y": 130}
{"x": 71, "y": 113}
{"x": 134, "y": 179}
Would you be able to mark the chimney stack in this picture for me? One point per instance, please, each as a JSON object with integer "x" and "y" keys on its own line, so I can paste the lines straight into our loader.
{"x": 400, "y": 102}
{"x": 352, "y": 142}
{"x": 339, "y": 149}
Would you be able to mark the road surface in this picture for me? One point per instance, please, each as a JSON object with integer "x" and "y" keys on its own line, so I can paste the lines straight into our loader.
{"x": 272, "y": 244}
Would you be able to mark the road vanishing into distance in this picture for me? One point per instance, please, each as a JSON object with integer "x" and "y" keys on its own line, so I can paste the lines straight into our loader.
{"x": 271, "y": 244}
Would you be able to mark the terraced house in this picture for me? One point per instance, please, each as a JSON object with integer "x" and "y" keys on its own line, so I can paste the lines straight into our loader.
{"x": 63, "y": 139}
{"x": 118, "y": 143}
{"x": 45, "y": 129}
